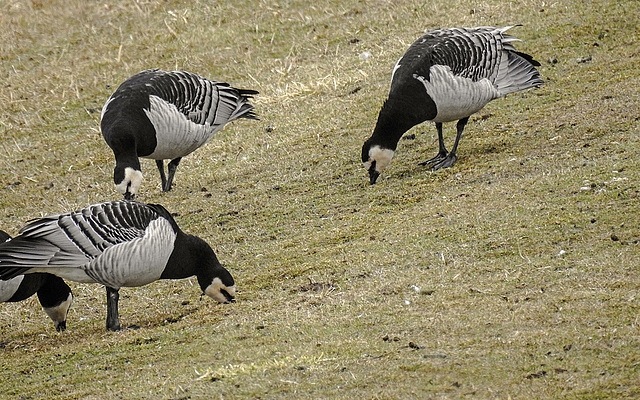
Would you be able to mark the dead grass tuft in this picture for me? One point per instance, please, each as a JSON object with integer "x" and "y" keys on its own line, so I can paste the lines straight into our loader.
{"x": 511, "y": 275}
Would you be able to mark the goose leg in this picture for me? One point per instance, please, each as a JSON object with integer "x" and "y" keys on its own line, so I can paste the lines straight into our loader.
{"x": 442, "y": 150}
{"x": 113, "y": 320}
{"x": 451, "y": 158}
{"x": 172, "y": 167}
{"x": 163, "y": 177}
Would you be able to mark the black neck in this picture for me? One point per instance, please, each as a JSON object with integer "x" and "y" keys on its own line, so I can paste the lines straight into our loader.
{"x": 188, "y": 257}
{"x": 193, "y": 256}
{"x": 393, "y": 121}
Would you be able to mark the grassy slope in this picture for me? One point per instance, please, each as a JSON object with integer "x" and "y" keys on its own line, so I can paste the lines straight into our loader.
{"x": 513, "y": 274}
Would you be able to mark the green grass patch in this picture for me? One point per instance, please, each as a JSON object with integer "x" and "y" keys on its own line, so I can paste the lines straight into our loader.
{"x": 511, "y": 275}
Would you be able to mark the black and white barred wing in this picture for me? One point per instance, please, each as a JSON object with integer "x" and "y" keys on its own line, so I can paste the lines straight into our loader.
{"x": 203, "y": 101}
{"x": 487, "y": 53}
{"x": 70, "y": 240}
{"x": 135, "y": 262}
{"x": 475, "y": 53}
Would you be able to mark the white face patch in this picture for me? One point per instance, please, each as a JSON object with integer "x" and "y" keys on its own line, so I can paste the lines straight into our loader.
{"x": 381, "y": 156}
{"x": 215, "y": 291}
{"x": 131, "y": 182}
{"x": 59, "y": 313}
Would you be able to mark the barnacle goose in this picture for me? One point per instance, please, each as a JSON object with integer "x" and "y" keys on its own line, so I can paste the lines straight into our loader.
{"x": 53, "y": 293}
{"x": 165, "y": 116}
{"x": 446, "y": 75}
{"x": 117, "y": 244}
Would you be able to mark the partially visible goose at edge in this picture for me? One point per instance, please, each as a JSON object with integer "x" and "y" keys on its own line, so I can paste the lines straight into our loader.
{"x": 117, "y": 244}
{"x": 446, "y": 75}
{"x": 53, "y": 293}
{"x": 165, "y": 116}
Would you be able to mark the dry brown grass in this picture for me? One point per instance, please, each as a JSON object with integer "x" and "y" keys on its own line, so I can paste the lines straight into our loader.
{"x": 511, "y": 275}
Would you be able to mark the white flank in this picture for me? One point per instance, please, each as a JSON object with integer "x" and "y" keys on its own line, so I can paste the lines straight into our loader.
{"x": 214, "y": 291}
{"x": 131, "y": 182}
{"x": 381, "y": 156}
{"x": 8, "y": 288}
{"x": 134, "y": 263}
{"x": 177, "y": 136}
{"x": 59, "y": 313}
{"x": 456, "y": 97}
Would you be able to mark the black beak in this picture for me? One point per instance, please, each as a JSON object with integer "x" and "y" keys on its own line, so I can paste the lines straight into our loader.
{"x": 230, "y": 298}
{"x": 61, "y": 326}
{"x": 129, "y": 196}
{"x": 373, "y": 174}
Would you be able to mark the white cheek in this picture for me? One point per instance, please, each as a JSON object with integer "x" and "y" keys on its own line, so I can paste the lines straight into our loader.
{"x": 59, "y": 313}
{"x": 215, "y": 294}
{"x": 131, "y": 182}
{"x": 381, "y": 156}
{"x": 214, "y": 291}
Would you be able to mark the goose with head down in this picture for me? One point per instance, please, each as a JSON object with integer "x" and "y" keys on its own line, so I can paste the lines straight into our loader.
{"x": 117, "y": 244}
{"x": 166, "y": 115}
{"x": 446, "y": 75}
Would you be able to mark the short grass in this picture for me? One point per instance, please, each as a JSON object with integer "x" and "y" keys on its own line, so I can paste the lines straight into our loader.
{"x": 513, "y": 274}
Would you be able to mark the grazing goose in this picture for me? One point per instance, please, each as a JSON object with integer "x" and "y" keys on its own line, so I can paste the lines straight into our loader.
{"x": 446, "y": 75}
{"x": 165, "y": 116}
{"x": 53, "y": 293}
{"x": 117, "y": 244}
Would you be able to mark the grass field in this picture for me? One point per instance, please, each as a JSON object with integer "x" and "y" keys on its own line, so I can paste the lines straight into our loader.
{"x": 512, "y": 275}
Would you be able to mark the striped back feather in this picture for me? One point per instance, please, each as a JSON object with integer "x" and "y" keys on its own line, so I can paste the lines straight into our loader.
{"x": 202, "y": 101}
{"x": 74, "y": 238}
{"x": 476, "y": 54}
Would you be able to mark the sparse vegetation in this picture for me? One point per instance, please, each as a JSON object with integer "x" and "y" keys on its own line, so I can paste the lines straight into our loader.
{"x": 513, "y": 274}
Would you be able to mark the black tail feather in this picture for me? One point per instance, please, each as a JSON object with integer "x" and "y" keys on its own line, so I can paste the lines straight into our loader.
{"x": 248, "y": 93}
{"x": 528, "y": 58}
